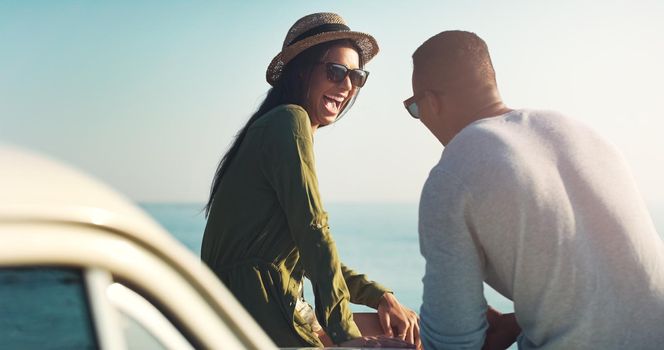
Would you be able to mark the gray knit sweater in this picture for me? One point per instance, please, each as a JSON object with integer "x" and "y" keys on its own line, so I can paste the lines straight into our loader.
{"x": 546, "y": 212}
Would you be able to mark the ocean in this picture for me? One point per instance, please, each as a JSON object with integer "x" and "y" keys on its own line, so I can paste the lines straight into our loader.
{"x": 377, "y": 239}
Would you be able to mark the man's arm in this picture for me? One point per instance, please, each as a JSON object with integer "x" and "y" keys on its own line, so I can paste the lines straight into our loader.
{"x": 453, "y": 309}
{"x": 503, "y": 330}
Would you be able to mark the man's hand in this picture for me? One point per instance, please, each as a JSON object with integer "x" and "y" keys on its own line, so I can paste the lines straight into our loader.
{"x": 503, "y": 330}
{"x": 398, "y": 321}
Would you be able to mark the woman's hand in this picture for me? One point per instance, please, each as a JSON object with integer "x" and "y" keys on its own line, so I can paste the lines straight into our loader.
{"x": 379, "y": 341}
{"x": 399, "y": 321}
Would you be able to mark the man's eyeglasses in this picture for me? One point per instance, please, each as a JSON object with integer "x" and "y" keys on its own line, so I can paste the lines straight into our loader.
{"x": 411, "y": 103}
{"x": 338, "y": 72}
{"x": 411, "y": 106}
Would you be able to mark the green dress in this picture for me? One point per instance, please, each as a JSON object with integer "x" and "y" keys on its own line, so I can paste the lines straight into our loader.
{"x": 267, "y": 230}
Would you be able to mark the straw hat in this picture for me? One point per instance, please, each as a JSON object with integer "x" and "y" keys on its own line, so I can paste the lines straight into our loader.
{"x": 315, "y": 29}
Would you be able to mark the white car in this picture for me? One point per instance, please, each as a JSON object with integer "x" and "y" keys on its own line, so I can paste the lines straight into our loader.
{"x": 81, "y": 267}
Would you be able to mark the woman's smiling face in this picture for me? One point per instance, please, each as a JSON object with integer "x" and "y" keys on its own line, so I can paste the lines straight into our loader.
{"x": 325, "y": 99}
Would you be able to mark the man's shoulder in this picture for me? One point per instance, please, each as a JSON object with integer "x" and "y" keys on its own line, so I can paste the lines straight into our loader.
{"x": 500, "y": 144}
{"x": 517, "y": 119}
{"x": 513, "y": 130}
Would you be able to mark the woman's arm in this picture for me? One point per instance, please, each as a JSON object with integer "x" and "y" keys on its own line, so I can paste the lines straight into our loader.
{"x": 288, "y": 165}
{"x": 362, "y": 290}
{"x": 395, "y": 319}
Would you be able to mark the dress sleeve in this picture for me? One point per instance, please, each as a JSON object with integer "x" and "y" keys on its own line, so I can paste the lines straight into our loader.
{"x": 362, "y": 290}
{"x": 453, "y": 309}
{"x": 288, "y": 164}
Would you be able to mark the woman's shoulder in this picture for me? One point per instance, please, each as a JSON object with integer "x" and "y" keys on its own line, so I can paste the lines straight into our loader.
{"x": 287, "y": 118}
{"x": 290, "y": 109}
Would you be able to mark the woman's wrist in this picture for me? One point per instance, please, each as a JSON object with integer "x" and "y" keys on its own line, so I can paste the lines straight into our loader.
{"x": 384, "y": 298}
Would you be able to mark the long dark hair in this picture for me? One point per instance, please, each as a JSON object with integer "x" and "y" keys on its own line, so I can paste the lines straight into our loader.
{"x": 291, "y": 88}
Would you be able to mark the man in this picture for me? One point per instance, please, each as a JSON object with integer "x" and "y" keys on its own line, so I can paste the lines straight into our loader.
{"x": 535, "y": 204}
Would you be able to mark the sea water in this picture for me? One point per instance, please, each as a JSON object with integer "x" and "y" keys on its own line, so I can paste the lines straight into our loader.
{"x": 377, "y": 239}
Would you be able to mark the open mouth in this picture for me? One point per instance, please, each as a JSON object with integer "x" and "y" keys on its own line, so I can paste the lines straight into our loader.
{"x": 333, "y": 103}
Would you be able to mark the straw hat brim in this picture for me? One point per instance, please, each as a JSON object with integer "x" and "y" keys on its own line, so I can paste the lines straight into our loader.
{"x": 365, "y": 42}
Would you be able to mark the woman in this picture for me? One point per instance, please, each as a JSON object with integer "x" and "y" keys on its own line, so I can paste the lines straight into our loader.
{"x": 266, "y": 226}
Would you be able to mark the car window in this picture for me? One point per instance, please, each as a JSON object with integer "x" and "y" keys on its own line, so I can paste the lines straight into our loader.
{"x": 136, "y": 336}
{"x": 143, "y": 325}
{"x": 44, "y": 307}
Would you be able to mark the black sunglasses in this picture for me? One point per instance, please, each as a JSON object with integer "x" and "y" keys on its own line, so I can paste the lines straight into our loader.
{"x": 411, "y": 103}
{"x": 411, "y": 106}
{"x": 338, "y": 72}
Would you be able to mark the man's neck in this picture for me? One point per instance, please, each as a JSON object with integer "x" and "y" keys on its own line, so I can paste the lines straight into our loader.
{"x": 490, "y": 110}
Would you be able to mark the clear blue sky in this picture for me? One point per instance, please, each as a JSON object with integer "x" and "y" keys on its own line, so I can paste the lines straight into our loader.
{"x": 147, "y": 95}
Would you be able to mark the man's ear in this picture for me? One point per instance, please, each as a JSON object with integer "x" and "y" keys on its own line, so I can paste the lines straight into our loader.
{"x": 434, "y": 104}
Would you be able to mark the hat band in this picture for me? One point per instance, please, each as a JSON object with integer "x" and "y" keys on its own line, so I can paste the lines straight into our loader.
{"x": 323, "y": 28}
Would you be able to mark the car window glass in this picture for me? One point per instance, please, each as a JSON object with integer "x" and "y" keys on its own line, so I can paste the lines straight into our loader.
{"x": 144, "y": 326}
{"x": 44, "y": 306}
{"x": 136, "y": 336}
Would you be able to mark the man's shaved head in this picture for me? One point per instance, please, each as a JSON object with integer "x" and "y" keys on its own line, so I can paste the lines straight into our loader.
{"x": 455, "y": 60}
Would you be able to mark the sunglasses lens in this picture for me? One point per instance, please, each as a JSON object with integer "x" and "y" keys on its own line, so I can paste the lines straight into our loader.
{"x": 336, "y": 72}
{"x": 413, "y": 110}
{"x": 358, "y": 77}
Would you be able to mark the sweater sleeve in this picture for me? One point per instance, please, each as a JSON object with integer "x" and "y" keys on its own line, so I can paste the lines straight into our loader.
{"x": 453, "y": 308}
{"x": 288, "y": 164}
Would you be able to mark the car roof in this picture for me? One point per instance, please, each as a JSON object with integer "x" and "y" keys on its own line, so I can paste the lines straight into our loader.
{"x": 37, "y": 185}
{"x": 35, "y": 189}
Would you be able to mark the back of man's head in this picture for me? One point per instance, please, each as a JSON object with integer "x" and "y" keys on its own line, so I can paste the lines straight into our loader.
{"x": 456, "y": 61}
